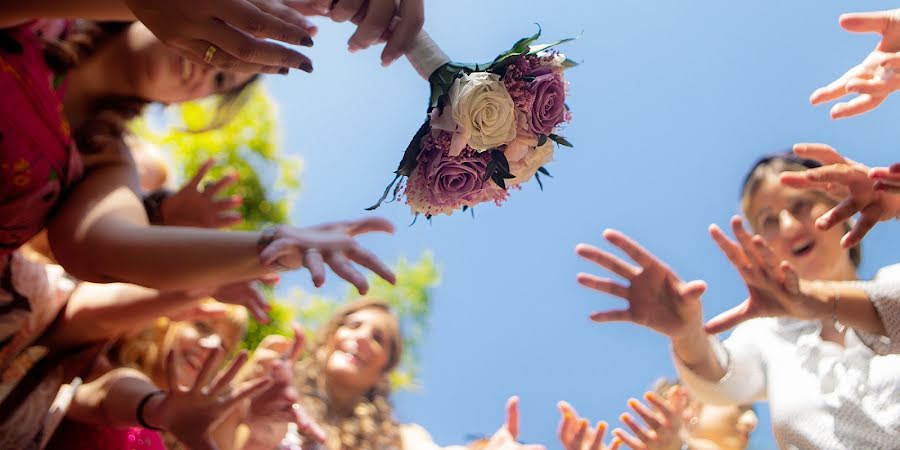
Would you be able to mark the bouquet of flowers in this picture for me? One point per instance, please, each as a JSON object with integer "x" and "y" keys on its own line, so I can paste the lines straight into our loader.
{"x": 490, "y": 127}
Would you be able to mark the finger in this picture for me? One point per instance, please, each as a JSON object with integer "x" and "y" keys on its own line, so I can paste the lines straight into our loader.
{"x": 659, "y": 404}
{"x": 225, "y": 205}
{"x": 341, "y": 266}
{"x": 888, "y": 174}
{"x": 344, "y": 10}
{"x": 868, "y": 218}
{"x": 172, "y": 371}
{"x": 636, "y": 428}
{"x": 208, "y": 369}
{"x": 889, "y": 188}
{"x": 369, "y": 225}
{"x": 218, "y": 186}
{"x": 799, "y": 180}
{"x": 412, "y": 18}
{"x": 645, "y": 413}
{"x": 603, "y": 285}
{"x": 629, "y": 440}
{"x": 288, "y": 14}
{"x": 856, "y": 106}
{"x": 251, "y": 20}
{"x": 512, "y": 416}
{"x": 731, "y": 249}
{"x": 746, "y": 242}
{"x": 839, "y": 214}
{"x": 791, "y": 279}
{"x": 823, "y": 153}
{"x": 577, "y": 441}
{"x": 866, "y": 22}
{"x": 245, "y": 47}
{"x": 376, "y": 21}
{"x": 834, "y": 90}
{"x": 607, "y": 260}
{"x": 275, "y": 251}
{"x": 297, "y": 347}
{"x": 198, "y": 49}
{"x": 599, "y": 435}
{"x": 834, "y": 173}
{"x": 873, "y": 86}
{"x": 194, "y": 183}
{"x": 632, "y": 248}
{"x": 245, "y": 390}
{"x": 693, "y": 289}
{"x": 770, "y": 261}
{"x": 730, "y": 319}
{"x": 368, "y": 260}
{"x": 222, "y": 382}
{"x": 615, "y": 444}
{"x": 566, "y": 422}
{"x": 312, "y": 260}
{"x": 612, "y": 316}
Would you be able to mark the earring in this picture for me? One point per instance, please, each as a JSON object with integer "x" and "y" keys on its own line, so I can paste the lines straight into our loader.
{"x": 694, "y": 421}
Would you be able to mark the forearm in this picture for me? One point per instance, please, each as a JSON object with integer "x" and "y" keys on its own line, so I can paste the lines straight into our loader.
{"x": 16, "y": 12}
{"x": 98, "y": 312}
{"x": 852, "y": 306}
{"x": 696, "y": 353}
{"x": 112, "y": 399}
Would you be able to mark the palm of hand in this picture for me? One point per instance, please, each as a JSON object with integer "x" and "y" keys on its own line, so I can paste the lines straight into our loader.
{"x": 190, "y": 417}
{"x": 658, "y": 301}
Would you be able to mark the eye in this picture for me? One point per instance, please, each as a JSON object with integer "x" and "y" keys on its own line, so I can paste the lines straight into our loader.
{"x": 378, "y": 336}
{"x": 353, "y": 324}
{"x": 220, "y": 81}
{"x": 801, "y": 208}
{"x": 768, "y": 224}
{"x": 203, "y": 328}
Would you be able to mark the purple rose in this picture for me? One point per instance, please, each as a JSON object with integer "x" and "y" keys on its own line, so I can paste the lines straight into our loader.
{"x": 453, "y": 179}
{"x": 549, "y": 108}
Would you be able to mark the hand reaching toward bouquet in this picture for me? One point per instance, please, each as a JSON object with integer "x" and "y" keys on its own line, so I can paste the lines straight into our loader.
{"x": 876, "y": 77}
{"x": 275, "y": 357}
{"x": 192, "y": 206}
{"x": 190, "y": 412}
{"x": 506, "y": 437}
{"x": 775, "y": 289}
{"x": 871, "y": 193}
{"x": 657, "y": 298}
{"x": 235, "y": 30}
{"x": 248, "y": 295}
{"x": 332, "y": 244}
{"x": 575, "y": 432}
{"x": 663, "y": 419}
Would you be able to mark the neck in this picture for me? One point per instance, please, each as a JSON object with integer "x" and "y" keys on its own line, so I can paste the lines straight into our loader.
{"x": 343, "y": 399}
{"x": 101, "y": 75}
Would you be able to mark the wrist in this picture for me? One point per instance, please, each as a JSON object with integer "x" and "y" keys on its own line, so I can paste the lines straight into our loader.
{"x": 155, "y": 204}
{"x": 822, "y": 299}
{"x": 149, "y": 411}
{"x": 691, "y": 346}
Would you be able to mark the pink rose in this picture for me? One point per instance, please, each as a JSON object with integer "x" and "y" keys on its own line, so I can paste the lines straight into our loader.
{"x": 549, "y": 108}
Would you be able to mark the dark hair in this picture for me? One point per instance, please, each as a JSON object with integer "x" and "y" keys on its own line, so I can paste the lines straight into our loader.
{"x": 785, "y": 162}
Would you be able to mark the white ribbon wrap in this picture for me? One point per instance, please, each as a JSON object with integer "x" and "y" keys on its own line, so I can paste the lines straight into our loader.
{"x": 425, "y": 55}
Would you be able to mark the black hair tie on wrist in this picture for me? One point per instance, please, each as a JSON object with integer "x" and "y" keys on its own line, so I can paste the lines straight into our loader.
{"x": 140, "y": 410}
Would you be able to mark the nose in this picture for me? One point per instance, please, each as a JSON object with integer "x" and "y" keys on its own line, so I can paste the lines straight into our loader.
{"x": 788, "y": 223}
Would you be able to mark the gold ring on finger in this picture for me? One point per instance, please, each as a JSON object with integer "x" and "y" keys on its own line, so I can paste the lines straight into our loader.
{"x": 210, "y": 53}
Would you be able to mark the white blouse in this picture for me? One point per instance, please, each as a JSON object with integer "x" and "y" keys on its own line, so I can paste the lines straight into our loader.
{"x": 821, "y": 395}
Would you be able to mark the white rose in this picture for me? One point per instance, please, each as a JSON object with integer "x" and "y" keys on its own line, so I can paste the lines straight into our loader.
{"x": 526, "y": 167}
{"x": 485, "y": 111}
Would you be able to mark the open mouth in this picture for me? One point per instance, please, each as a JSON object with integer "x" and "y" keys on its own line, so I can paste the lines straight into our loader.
{"x": 353, "y": 357}
{"x": 803, "y": 248}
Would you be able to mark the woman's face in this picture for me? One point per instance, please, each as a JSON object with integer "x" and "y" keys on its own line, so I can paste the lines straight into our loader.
{"x": 194, "y": 342}
{"x": 786, "y": 217}
{"x": 361, "y": 349}
{"x": 729, "y": 427}
{"x": 162, "y": 75}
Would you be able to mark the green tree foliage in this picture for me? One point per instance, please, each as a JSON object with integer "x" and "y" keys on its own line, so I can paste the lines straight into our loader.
{"x": 248, "y": 144}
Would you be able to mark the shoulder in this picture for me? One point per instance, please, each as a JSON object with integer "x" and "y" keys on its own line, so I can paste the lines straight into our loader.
{"x": 414, "y": 436}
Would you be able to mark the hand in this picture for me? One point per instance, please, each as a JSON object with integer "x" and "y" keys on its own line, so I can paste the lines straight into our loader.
{"x": 246, "y": 294}
{"x": 847, "y": 182}
{"x": 190, "y": 413}
{"x": 237, "y": 29}
{"x": 775, "y": 289}
{"x": 575, "y": 432}
{"x": 276, "y": 356}
{"x": 331, "y": 244}
{"x": 398, "y": 22}
{"x": 875, "y": 78}
{"x": 505, "y": 437}
{"x": 192, "y": 207}
{"x": 663, "y": 421}
{"x": 887, "y": 179}
{"x": 657, "y": 298}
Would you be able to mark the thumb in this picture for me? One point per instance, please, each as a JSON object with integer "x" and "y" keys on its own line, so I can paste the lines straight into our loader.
{"x": 730, "y": 319}
{"x": 866, "y": 22}
{"x": 512, "y": 416}
{"x": 694, "y": 288}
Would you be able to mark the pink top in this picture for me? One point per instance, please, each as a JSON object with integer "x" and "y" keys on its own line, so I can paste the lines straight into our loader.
{"x": 38, "y": 160}
{"x": 79, "y": 436}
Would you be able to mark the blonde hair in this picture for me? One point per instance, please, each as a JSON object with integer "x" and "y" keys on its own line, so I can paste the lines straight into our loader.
{"x": 372, "y": 425}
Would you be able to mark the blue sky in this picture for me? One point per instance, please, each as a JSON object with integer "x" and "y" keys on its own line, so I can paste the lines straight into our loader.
{"x": 673, "y": 102}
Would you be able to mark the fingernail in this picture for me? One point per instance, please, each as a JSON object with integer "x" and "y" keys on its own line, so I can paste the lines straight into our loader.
{"x": 306, "y": 41}
{"x": 387, "y": 60}
{"x": 306, "y": 66}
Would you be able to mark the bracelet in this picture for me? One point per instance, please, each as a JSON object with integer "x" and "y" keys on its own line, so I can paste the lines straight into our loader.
{"x": 153, "y": 205}
{"x": 140, "y": 410}
{"x": 838, "y": 326}
{"x": 265, "y": 239}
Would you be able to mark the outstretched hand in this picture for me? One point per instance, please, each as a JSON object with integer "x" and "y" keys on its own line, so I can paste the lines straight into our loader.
{"x": 876, "y": 77}
{"x": 248, "y": 295}
{"x": 663, "y": 419}
{"x": 857, "y": 189}
{"x": 575, "y": 432}
{"x": 332, "y": 244}
{"x": 193, "y": 206}
{"x": 657, "y": 298}
{"x": 774, "y": 287}
{"x": 506, "y": 437}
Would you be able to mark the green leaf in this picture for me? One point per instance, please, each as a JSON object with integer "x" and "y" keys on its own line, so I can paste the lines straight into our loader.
{"x": 499, "y": 180}
{"x": 519, "y": 49}
{"x": 544, "y": 171}
{"x": 537, "y": 177}
{"x": 535, "y": 49}
{"x": 568, "y": 63}
{"x": 561, "y": 140}
{"x": 542, "y": 139}
{"x": 407, "y": 164}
